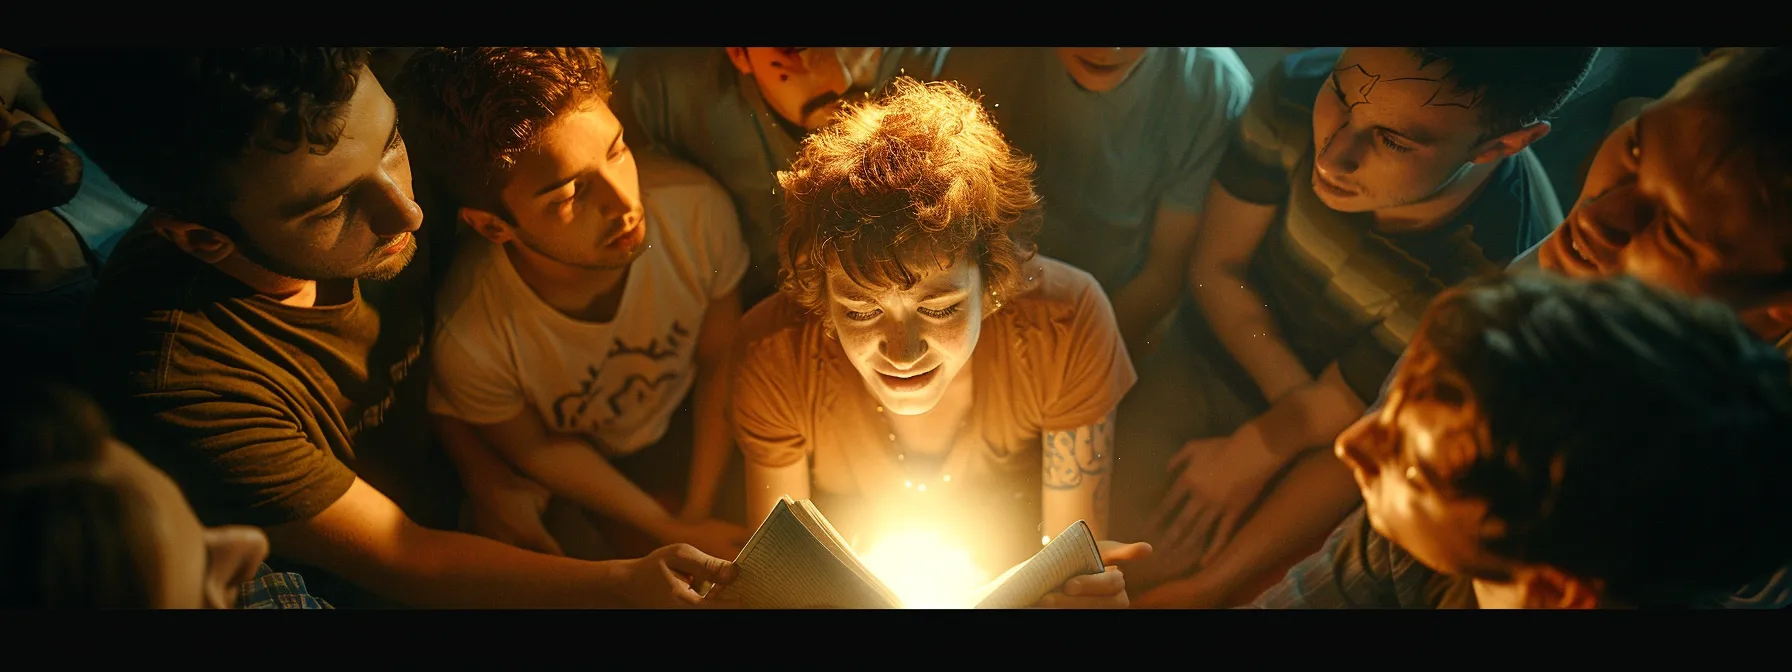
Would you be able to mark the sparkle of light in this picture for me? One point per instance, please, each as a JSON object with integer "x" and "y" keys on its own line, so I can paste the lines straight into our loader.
{"x": 1044, "y": 541}
{"x": 924, "y": 571}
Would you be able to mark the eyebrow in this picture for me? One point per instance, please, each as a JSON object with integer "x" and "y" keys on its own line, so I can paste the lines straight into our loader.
{"x": 309, "y": 203}
{"x": 557, "y": 184}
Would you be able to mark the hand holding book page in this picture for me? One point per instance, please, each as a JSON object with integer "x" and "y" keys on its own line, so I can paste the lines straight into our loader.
{"x": 797, "y": 560}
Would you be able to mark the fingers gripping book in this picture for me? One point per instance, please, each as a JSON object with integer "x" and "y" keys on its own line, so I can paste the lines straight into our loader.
{"x": 796, "y": 560}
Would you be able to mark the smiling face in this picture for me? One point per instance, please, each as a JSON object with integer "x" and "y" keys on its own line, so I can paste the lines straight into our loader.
{"x": 807, "y": 85}
{"x": 575, "y": 196}
{"x": 1661, "y": 206}
{"x": 1390, "y": 130}
{"x": 909, "y": 344}
{"x": 1100, "y": 69}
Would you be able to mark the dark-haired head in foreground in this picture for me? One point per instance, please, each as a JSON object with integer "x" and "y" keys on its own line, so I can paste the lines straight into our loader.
{"x": 1568, "y": 443}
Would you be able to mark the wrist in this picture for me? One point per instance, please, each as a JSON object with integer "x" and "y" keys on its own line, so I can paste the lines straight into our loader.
{"x": 606, "y": 583}
{"x": 1255, "y": 445}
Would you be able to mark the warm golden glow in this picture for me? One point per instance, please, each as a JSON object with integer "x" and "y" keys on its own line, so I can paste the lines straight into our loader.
{"x": 924, "y": 571}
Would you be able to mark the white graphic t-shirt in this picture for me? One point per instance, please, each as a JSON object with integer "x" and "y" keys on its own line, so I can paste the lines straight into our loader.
{"x": 498, "y": 345}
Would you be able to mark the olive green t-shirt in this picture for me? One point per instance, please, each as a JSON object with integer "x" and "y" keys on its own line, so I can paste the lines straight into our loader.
{"x": 265, "y": 413}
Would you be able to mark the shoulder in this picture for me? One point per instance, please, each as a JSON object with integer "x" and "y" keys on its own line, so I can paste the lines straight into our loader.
{"x": 1056, "y": 283}
{"x": 1210, "y": 68}
{"x": 776, "y": 328}
{"x": 676, "y": 69}
{"x": 668, "y": 180}
{"x": 471, "y": 276}
{"x": 1058, "y": 293}
{"x": 1517, "y": 210}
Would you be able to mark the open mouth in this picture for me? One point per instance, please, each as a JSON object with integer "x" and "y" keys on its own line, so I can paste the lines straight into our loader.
{"x": 1097, "y": 68}
{"x": 909, "y": 383}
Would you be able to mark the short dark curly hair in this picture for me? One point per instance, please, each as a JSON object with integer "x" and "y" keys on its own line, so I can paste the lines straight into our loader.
{"x": 166, "y": 123}
{"x": 468, "y": 112}
{"x": 1519, "y": 86}
{"x": 916, "y": 175}
{"x": 1632, "y": 436}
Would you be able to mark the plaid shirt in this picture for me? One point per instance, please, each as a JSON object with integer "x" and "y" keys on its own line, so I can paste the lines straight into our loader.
{"x": 277, "y": 590}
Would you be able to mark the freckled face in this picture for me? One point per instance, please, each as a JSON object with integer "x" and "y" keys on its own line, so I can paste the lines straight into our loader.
{"x": 908, "y": 345}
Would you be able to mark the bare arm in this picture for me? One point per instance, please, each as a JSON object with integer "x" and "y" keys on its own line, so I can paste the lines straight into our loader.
{"x": 572, "y": 468}
{"x": 481, "y": 470}
{"x": 710, "y": 451}
{"x": 1309, "y": 416}
{"x": 1143, "y": 302}
{"x": 1076, "y": 476}
{"x": 365, "y": 538}
{"x": 766, "y": 485}
{"x": 1223, "y": 249}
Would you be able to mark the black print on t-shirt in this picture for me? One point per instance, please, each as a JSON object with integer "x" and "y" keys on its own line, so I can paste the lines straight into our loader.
{"x": 635, "y": 391}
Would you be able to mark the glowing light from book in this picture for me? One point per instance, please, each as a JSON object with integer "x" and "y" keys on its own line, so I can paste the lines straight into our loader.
{"x": 924, "y": 571}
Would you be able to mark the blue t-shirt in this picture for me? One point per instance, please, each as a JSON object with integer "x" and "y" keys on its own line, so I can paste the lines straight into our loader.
{"x": 1107, "y": 161}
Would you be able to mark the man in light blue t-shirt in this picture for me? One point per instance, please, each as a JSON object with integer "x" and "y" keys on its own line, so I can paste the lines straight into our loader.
{"x": 1126, "y": 140}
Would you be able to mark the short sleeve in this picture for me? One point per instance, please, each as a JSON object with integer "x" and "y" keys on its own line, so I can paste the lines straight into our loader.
{"x": 1224, "y": 96}
{"x": 472, "y": 382}
{"x": 1251, "y": 169}
{"x": 1096, "y": 372}
{"x": 769, "y": 387}
{"x": 1371, "y": 358}
{"x": 238, "y": 453}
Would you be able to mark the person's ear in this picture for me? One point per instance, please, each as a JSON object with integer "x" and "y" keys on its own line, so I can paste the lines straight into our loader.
{"x": 1502, "y": 146}
{"x": 205, "y": 244}
{"x": 234, "y": 554}
{"x": 738, "y": 56}
{"x": 1548, "y": 588}
{"x": 493, "y": 227}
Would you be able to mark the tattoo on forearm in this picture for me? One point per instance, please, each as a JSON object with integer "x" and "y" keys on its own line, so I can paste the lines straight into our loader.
{"x": 1075, "y": 455}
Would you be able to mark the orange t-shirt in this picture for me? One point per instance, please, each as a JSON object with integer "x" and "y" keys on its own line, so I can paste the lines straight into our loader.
{"x": 1050, "y": 359}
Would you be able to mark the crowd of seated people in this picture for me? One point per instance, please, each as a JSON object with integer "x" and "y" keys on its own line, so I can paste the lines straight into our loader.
{"x": 535, "y": 327}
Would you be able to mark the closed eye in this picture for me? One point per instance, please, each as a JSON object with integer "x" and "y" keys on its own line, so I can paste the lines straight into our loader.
{"x": 941, "y": 313}
{"x": 863, "y": 316}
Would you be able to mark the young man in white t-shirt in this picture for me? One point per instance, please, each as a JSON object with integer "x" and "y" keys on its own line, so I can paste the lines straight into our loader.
{"x": 594, "y": 309}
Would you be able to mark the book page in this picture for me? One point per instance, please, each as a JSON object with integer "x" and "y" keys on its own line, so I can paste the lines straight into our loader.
{"x": 1073, "y": 553}
{"x": 825, "y": 533}
{"x": 786, "y": 566}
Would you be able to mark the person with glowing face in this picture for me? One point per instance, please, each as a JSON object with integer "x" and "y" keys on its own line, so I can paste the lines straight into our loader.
{"x": 741, "y": 113}
{"x": 260, "y": 334}
{"x": 1559, "y": 443}
{"x": 1360, "y": 183}
{"x": 1688, "y": 196}
{"x": 584, "y": 334}
{"x": 922, "y": 369}
{"x": 1127, "y": 140}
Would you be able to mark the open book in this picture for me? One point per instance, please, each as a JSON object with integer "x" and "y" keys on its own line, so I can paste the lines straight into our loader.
{"x": 797, "y": 561}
